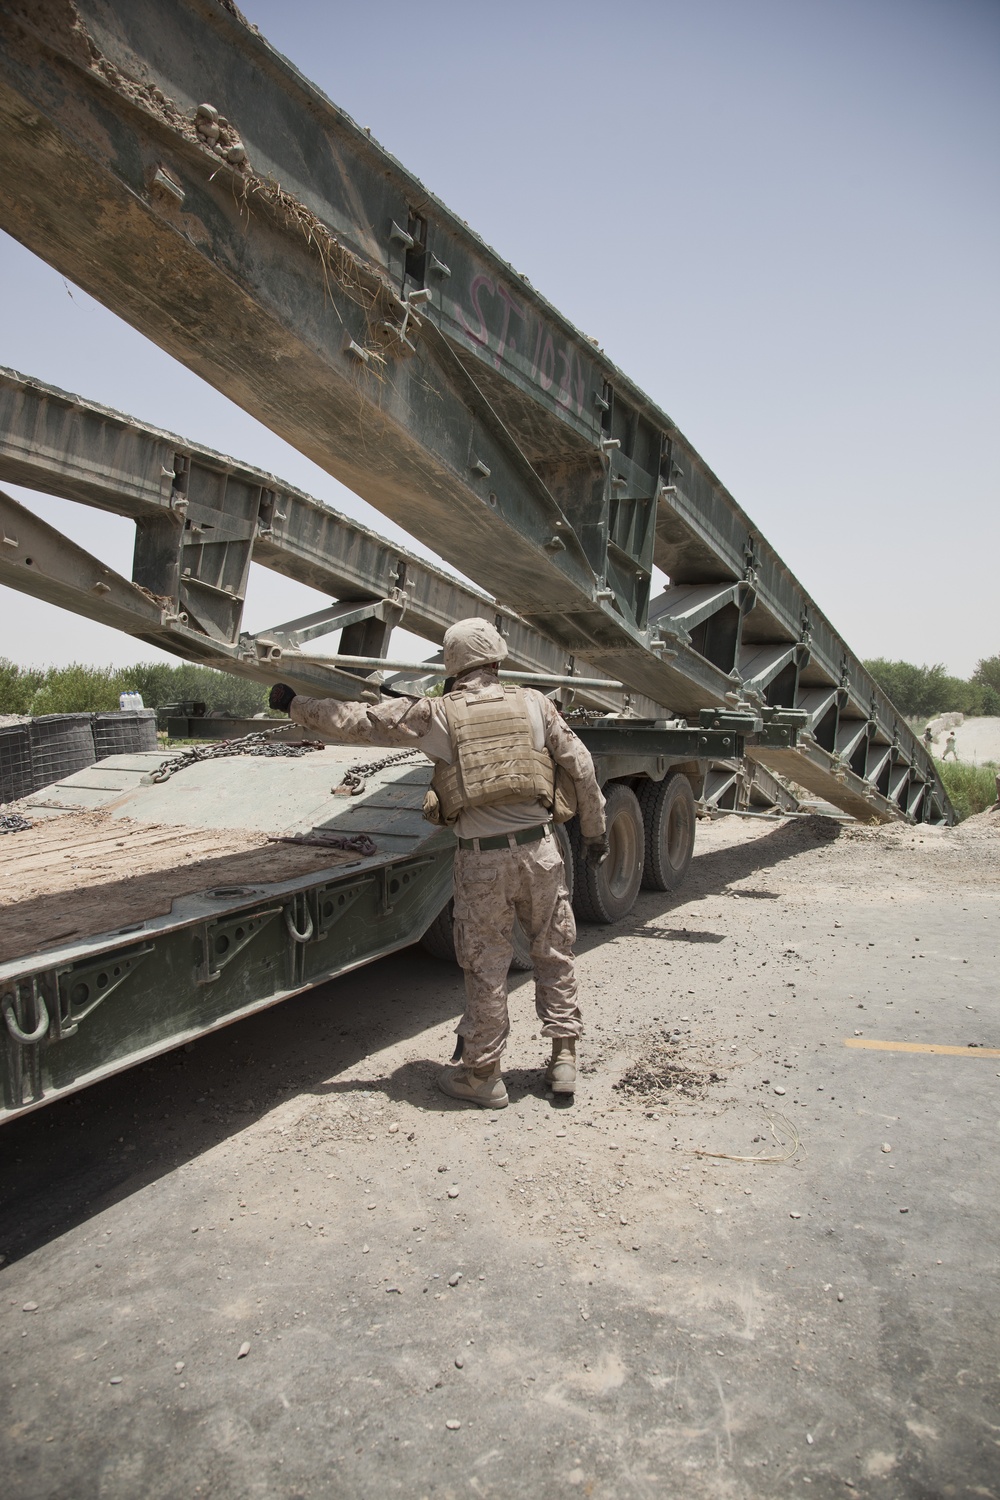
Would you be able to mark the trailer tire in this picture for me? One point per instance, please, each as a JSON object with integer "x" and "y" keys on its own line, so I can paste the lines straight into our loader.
{"x": 668, "y": 817}
{"x": 439, "y": 939}
{"x": 608, "y": 893}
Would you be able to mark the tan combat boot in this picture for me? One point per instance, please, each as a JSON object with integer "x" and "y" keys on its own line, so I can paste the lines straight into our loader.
{"x": 560, "y": 1075}
{"x": 482, "y": 1086}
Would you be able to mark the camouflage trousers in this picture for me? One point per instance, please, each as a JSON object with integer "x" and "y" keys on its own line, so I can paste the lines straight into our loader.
{"x": 491, "y": 887}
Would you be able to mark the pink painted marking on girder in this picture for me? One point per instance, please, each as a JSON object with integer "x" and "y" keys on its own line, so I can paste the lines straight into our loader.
{"x": 478, "y": 284}
{"x": 509, "y": 306}
{"x": 571, "y": 388}
{"x": 547, "y": 363}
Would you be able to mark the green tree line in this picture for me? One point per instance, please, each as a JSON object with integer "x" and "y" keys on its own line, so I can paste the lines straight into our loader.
{"x": 82, "y": 689}
{"x": 923, "y": 692}
{"x": 919, "y": 692}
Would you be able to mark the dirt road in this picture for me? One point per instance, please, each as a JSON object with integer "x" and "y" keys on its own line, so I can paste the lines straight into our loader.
{"x": 757, "y": 1257}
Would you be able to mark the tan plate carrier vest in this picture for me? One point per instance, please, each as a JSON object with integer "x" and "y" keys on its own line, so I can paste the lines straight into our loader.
{"x": 495, "y": 760}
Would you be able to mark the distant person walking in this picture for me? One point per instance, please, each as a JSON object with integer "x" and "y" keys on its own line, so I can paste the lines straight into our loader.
{"x": 928, "y": 739}
{"x": 949, "y": 746}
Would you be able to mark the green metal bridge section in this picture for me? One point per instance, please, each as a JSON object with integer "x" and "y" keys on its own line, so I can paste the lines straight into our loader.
{"x": 201, "y": 518}
{"x": 164, "y": 157}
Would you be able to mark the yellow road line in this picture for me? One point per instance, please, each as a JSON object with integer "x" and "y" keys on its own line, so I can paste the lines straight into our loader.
{"x": 856, "y": 1041}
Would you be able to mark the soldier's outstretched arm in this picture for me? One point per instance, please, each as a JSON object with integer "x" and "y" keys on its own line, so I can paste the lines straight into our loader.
{"x": 572, "y": 754}
{"x": 396, "y": 721}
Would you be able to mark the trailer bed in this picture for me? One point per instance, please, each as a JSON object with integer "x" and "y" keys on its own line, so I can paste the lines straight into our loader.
{"x": 85, "y": 873}
{"x": 138, "y": 915}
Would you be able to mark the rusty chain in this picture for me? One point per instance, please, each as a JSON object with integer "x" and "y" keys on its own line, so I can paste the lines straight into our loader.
{"x": 352, "y": 783}
{"x": 261, "y": 743}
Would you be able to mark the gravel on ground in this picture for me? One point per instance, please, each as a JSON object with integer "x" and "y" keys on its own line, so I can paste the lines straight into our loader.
{"x": 755, "y": 1257}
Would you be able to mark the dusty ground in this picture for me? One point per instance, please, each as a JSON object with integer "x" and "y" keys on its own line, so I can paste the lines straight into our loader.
{"x": 549, "y": 1300}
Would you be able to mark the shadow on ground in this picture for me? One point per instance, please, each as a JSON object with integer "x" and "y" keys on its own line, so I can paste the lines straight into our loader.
{"x": 415, "y": 1083}
{"x": 78, "y": 1156}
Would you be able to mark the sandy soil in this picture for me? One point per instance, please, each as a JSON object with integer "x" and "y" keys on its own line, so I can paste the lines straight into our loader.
{"x": 976, "y": 741}
{"x": 756, "y": 1257}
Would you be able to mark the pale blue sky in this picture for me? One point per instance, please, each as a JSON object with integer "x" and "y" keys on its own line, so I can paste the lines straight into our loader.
{"x": 779, "y": 217}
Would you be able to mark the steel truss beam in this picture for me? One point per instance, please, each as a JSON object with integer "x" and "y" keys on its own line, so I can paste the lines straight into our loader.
{"x": 180, "y": 493}
{"x": 37, "y": 559}
{"x": 302, "y": 271}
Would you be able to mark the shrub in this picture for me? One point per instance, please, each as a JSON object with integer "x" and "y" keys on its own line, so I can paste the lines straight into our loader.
{"x": 923, "y": 692}
{"x": 18, "y": 686}
{"x": 220, "y": 692}
{"x": 82, "y": 689}
{"x": 77, "y": 689}
{"x": 971, "y": 789}
{"x": 987, "y": 671}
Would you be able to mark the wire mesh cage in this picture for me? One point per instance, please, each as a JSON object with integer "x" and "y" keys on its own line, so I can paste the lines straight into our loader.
{"x": 16, "y": 778}
{"x": 124, "y": 732}
{"x": 60, "y": 745}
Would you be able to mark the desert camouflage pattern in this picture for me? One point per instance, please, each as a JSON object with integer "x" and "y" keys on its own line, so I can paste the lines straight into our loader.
{"x": 494, "y": 758}
{"x": 422, "y": 723}
{"x": 472, "y": 643}
{"x": 491, "y": 886}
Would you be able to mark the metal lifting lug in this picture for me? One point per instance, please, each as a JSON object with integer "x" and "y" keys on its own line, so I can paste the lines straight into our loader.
{"x": 25, "y": 1038}
{"x": 305, "y": 932}
{"x": 608, "y": 444}
{"x": 164, "y": 186}
{"x": 400, "y": 236}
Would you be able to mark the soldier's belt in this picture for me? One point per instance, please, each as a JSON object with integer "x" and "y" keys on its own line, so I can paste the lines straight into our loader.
{"x": 508, "y": 840}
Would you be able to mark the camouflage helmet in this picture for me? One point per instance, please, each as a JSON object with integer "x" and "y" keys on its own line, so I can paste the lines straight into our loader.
{"x": 472, "y": 643}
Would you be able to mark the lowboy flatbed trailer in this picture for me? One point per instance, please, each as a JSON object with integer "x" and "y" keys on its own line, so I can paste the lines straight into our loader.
{"x": 137, "y": 914}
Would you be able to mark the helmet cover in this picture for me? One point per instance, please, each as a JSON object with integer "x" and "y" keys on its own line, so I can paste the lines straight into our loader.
{"x": 472, "y": 643}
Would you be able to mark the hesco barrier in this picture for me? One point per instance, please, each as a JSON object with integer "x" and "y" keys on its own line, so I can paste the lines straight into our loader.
{"x": 60, "y": 745}
{"x": 124, "y": 733}
{"x": 43, "y": 750}
{"x": 15, "y": 762}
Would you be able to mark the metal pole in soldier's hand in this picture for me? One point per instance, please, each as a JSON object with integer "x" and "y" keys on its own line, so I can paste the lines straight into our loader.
{"x": 507, "y": 768}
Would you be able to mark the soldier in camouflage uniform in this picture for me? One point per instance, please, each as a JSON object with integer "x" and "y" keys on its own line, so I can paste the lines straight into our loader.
{"x": 496, "y": 750}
